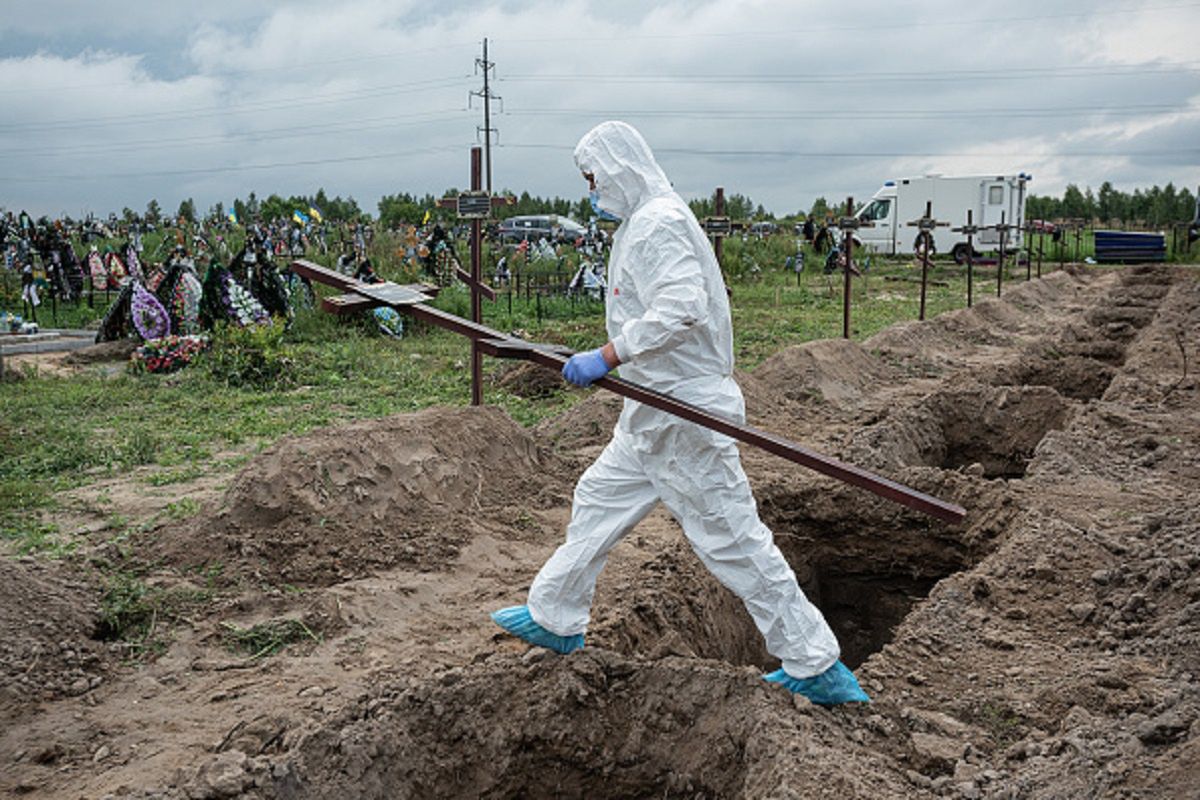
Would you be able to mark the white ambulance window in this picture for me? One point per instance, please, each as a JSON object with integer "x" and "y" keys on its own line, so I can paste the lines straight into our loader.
{"x": 995, "y": 195}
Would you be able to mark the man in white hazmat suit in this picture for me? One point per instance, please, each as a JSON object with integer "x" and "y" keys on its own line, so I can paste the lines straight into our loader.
{"x": 669, "y": 327}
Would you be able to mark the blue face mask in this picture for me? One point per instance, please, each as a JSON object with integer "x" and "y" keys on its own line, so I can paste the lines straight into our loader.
{"x": 594, "y": 196}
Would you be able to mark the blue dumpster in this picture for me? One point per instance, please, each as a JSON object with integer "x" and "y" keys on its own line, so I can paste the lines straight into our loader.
{"x": 1122, "y": 246}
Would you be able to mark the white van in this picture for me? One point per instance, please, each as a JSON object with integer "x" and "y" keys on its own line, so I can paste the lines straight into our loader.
{"x": 902, "y": 201}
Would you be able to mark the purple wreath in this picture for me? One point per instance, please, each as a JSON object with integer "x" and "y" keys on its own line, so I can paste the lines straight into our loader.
{"x": 149, "y": 316}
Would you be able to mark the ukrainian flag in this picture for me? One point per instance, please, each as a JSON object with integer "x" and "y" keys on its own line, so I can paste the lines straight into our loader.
{"x": 232, "y": 216}
{"x": 300, "y": 216}
{"x": 315, "y": 213}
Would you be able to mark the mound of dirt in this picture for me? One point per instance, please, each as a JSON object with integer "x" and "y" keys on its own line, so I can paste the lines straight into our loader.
{"x": 340, "y": 502}
{"x": 47, "y": 623}
{"x": 836, "y": 371}
{"x": 528, "y": 380}
{"x": 594, "y": 724}
{"x": 589, "y": 424}
{"x": 119, "y": 350}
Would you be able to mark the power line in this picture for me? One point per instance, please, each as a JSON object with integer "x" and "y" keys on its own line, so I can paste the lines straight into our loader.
{"x": 236, "y": 167}
{"x": 268, "y": 134}
{"x": 877, "y": 114}
{"x": 265, "y": 105}
{"x": 799, "y": 153}
{"x": 944, "y": 76}
{"x": 307, "y": 65}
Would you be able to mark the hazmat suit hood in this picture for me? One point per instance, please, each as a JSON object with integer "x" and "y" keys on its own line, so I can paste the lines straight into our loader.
{"x": 624, "y": 169}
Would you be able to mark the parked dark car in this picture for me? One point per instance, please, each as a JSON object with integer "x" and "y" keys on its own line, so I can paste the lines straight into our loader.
{"x": 539, "y": 226}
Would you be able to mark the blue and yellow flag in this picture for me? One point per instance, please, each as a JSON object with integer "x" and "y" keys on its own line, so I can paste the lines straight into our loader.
{"x": 428, "y": 214}
{"x": 300, "y": 216}
{"x": 232, "y": 216}
{"x": 315, "y": 213}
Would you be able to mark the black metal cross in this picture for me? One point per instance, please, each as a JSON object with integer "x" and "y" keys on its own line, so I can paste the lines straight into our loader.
{"x": 970, "y": 229}
{"x": 925, "y": 226}
{"x": 1002, "y": 228}
{"x": 848, "y": 225}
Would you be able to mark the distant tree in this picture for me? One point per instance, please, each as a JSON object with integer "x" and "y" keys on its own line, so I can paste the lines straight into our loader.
{"x": 819, "y": 209}
{"x": 398, "y": 209}
{"x": 187, "y": 211}
{"x": 217, "y": 212}
{"x": 153, "y": 212}
{"x": 128, "y": 214}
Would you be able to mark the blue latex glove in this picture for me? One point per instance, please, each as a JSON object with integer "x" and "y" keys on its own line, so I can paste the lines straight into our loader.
{"x": 583, "y": 369}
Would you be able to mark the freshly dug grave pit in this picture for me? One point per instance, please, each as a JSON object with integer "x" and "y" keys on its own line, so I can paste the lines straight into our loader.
{"x": 997, "y": 428}
{"x": 866, "y": 562}
{"x": 341, "y": 502}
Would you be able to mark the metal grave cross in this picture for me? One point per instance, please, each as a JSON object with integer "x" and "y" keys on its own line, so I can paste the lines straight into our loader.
{"x": 719, "y": 226}
{"x": 848, "y": 225}
{"x": 926, "y": 226}
{"x": 970, "y": 229}
{"x": 1002, "y": 228}
{"x": 476, "y": 206}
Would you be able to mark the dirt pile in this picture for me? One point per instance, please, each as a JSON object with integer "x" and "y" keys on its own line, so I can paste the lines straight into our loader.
{"x": 836, "y": 371}
{"x": 48, "y": 625}
{"x": 528, "y": 380}
{"x": 340, "y": 502}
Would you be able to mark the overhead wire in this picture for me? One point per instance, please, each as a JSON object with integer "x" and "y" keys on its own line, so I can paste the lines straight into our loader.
{"x": 237, "y": 167}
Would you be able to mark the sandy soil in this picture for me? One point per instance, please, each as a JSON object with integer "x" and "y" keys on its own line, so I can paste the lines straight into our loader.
{"x": 1047, "y": 647}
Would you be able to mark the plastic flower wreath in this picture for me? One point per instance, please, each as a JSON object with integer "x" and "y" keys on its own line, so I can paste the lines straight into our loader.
{"x": 167, "y": 354}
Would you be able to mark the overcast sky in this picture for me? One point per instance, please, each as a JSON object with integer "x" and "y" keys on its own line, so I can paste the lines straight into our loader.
{"x": 109, "y": 104}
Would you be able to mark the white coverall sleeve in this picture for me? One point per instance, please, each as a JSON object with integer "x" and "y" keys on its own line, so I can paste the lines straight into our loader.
{"x": 670, "y": 284}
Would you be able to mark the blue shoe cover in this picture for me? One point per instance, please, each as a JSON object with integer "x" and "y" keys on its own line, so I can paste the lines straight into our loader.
{"x": 516, "y": 620}
{"x": 832, "y": 687}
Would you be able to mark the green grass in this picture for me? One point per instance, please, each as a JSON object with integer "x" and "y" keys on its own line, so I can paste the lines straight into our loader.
{"x": 266, "y": 638}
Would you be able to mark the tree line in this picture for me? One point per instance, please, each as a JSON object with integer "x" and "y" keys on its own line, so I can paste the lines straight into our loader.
{"x": 1155, "y": 206}
{"x": 1151, "y": 207}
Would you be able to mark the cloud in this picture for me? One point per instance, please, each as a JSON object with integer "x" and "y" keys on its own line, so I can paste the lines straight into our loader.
{"x": 775, "y": 100}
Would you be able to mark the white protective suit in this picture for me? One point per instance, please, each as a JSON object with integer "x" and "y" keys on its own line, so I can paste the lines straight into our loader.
{"x": 668, "y": 319}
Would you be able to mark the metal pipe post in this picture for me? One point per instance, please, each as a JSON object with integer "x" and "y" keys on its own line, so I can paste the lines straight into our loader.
{"x": 477, "y": 278}
{"x": 847, "y": 251}
{"x": 970, "y": 259}
{"x": 1000, "y": 267}
{"x": 719, "y": 210}
{"x": 925, "y": 259}
{"x": 1041, "y": 247}
{"x": 1029, "y": 251}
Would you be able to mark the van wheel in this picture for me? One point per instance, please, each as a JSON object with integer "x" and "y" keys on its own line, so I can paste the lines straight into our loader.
{"x": 960, "y": 253}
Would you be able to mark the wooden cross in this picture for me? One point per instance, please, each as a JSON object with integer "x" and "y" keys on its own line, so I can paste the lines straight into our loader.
{"x": 925, "y": 225}
{"x": 970, "y": 229}
{"x": 475, "y": 205}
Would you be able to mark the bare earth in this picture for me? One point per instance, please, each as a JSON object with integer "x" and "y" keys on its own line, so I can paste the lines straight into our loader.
{"x": 1049, "y": 647}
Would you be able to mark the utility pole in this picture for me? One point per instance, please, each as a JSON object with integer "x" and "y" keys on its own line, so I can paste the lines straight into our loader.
{"x": 486, "y": 67}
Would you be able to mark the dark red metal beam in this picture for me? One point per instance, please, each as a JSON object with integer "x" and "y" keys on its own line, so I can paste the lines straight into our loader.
{"x": 500, "y": 345}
